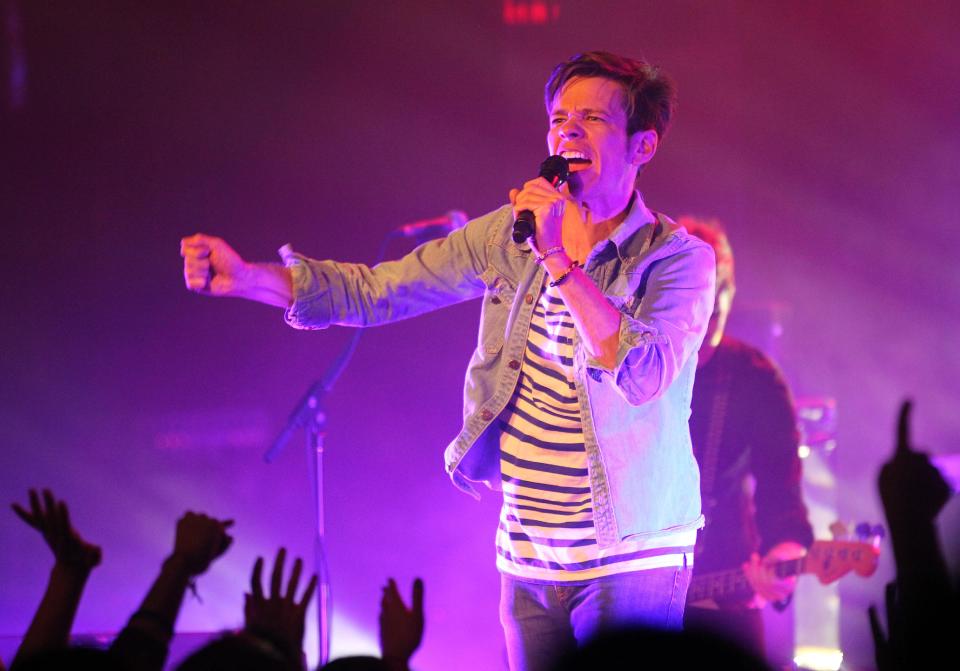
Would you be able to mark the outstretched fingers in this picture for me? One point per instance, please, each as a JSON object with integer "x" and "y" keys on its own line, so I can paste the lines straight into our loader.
{"x": 276, "y": 578}
{"x": 417, "y": 596}
{"x": 308, "y": 593}
{"x": 904, "y": 444}
{"x": 32, "y": 516}
{"x": 276, "y": 581}
{"x": 53, "y": 520}
{"x": 256, "y": 580}
{"x": 41, "y": 516}
{"x": 294, "y": 579}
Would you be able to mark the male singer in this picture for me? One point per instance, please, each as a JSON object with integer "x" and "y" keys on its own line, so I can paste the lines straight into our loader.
{"x": 578, "y": 394}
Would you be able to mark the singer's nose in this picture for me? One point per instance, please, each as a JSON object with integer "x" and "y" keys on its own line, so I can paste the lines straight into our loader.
{"x": 570, "y": 129}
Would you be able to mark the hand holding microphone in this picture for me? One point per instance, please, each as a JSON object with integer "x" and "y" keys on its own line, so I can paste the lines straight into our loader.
{"x": 540, "y": 200}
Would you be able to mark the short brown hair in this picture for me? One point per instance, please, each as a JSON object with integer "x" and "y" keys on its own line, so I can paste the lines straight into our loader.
{"x": 649, "y": 93}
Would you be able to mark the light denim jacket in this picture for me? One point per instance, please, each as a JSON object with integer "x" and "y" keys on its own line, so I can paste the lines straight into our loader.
{"x": 643, "y": 476}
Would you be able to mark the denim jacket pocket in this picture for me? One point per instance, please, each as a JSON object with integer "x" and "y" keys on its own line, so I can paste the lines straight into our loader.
{"x": 498, "y": 296}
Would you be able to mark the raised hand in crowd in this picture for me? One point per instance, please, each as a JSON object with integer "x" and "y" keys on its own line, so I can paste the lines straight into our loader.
{"x": 74, "y": 559}
{"x": 199, "y": 540}
{"x": 279, "y": 618}
{"x": 913, "y": 493}
{"x": 272, "y": 639}
{"x": 911, "y": 488}
{"x": 401, "y": 628}
{"x": 52, "y": 519}
{"x": 921, "y": 606}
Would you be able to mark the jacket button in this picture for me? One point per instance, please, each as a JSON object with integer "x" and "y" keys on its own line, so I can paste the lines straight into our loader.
{"x": 486, "y": 415}
{"x": 496, "y": 300}
{"x": 528, "y": 299}
{"x": 514, "y": 364}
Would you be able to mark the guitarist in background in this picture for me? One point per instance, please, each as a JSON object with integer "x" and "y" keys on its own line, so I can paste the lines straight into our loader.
{"x": 744, "y": 433}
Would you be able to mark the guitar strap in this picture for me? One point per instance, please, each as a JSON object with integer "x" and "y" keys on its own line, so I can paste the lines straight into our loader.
{"x": 710, "y": 452}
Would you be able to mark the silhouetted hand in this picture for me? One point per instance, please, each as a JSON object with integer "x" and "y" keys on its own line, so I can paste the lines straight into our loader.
{"x": 144, "y": 643}
{"x": 920, "y": 604}
{"x": 911, "y": 488}
{"x": 199, "y": 540}
{"x": 401, "y": 628}
{"x": 280, "y": 617}
{"x": 52, "y": 519}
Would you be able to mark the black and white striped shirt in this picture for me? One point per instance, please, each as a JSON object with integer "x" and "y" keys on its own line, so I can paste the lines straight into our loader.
{"x": 546, "y": 531}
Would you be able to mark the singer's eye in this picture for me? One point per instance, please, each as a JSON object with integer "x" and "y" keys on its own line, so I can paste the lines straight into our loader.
{"x": 557, "y": 120}
{"x": 593, "y": 117}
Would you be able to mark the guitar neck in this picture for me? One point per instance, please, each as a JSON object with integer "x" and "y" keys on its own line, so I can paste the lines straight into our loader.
{"x": 733, "y": 583}
{"x": 829, "y": 560}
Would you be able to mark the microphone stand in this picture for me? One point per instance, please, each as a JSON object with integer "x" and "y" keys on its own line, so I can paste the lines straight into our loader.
{"x": 310, "y": 415}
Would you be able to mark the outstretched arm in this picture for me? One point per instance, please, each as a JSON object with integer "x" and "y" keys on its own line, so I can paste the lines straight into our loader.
{"x": 74, "y": 559}
{"x": 199, "y": 541}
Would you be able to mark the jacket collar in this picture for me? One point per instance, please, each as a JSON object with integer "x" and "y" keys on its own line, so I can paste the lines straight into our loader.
{"x": 638, "y": 217}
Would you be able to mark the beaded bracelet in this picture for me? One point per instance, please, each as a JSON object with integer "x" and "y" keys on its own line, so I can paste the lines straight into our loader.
{"x": 549, "y": 252}
{"x": 566, "y": 273}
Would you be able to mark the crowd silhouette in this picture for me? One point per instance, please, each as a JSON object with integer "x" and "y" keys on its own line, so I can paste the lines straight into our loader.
{"x": 274, "y": 617}
{"x": 921, "y": 603}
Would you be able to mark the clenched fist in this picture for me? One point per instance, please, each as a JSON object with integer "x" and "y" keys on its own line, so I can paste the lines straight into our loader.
{"x": 211, "y": 266}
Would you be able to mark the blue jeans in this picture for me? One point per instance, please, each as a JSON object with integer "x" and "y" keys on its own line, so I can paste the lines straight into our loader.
{"x": 541, "y": 622}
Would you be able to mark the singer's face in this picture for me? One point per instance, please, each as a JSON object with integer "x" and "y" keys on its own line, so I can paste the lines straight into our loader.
{"x": 588, "y": 126}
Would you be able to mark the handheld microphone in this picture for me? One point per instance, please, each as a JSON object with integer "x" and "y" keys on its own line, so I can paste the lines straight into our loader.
{"x": 555, "y": 170}
{"x": 433, "y": 228}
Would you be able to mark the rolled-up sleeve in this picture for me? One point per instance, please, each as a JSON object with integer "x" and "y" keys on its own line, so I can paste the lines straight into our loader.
{"x": 435, "y": 274}
{"x": 311, "y": 308}
{"x": 666, "y": 328}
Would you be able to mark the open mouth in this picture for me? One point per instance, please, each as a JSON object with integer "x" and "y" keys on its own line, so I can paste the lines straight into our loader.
{"x": 576, "y": 160}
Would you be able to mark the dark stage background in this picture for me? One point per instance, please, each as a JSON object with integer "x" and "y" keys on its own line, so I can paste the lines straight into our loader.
{"x": 825, "y": 134}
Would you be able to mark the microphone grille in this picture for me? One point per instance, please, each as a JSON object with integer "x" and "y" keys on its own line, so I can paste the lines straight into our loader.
{"x": 555, "y": 168}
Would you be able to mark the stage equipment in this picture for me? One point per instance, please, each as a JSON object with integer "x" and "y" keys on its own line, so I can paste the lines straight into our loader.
{"x": 309, "y": 414}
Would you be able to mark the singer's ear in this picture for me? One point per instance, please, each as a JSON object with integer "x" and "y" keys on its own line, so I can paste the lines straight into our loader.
{"x": 643, "y": 145}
